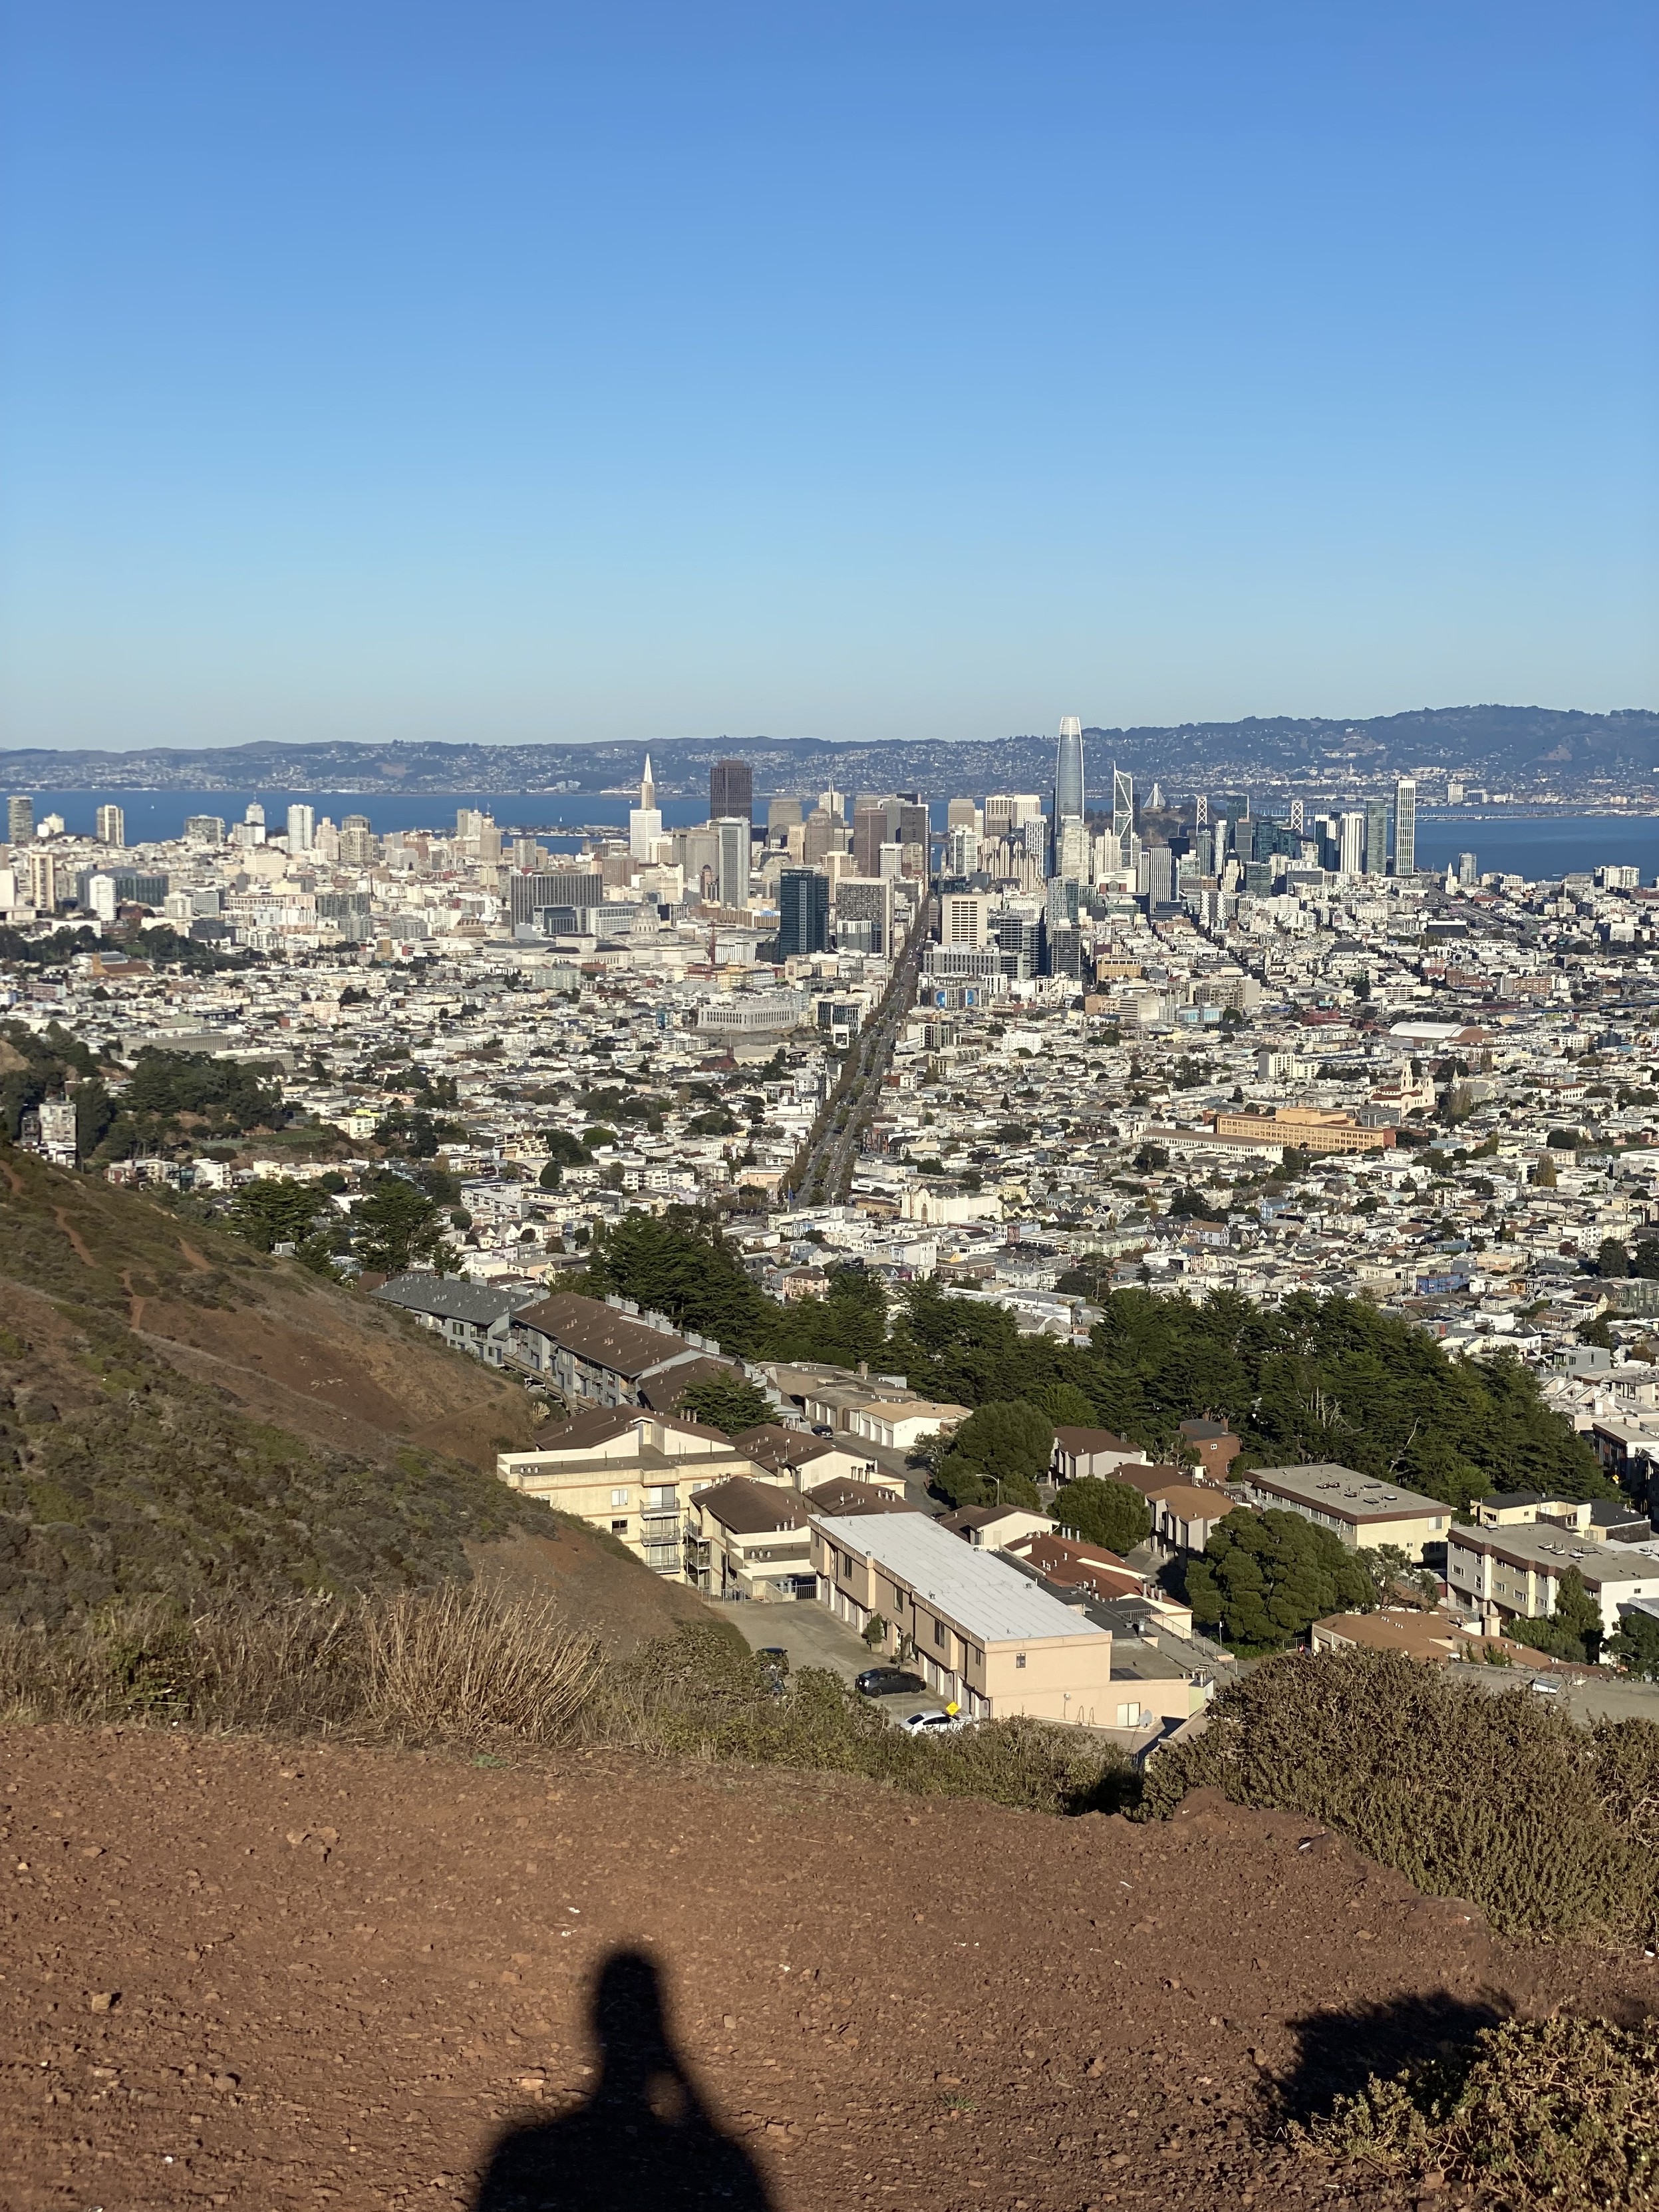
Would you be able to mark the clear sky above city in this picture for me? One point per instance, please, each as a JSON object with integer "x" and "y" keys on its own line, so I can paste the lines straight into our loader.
{"x": 508, "y": 371}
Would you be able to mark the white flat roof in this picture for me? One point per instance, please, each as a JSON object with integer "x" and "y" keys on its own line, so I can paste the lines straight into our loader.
{"x": 993, "y": 1601}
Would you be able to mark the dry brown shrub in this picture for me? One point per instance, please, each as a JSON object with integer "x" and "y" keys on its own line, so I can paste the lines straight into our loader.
{"x": 453, "y": 1665}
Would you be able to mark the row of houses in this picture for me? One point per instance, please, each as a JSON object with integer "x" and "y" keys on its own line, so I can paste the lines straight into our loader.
{"x": 616, "y": 1366}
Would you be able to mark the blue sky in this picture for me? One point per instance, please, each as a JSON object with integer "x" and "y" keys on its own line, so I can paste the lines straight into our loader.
{"x": 508, "y": 371}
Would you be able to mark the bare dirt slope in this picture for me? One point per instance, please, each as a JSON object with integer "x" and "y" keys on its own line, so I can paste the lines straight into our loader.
{"x": 239, "y": 1974}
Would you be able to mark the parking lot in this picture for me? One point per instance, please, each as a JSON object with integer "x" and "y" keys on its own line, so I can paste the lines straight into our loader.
{"x": 812, "y": 1637}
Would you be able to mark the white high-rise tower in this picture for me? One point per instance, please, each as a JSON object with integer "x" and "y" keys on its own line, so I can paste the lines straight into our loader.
{"x": 645, "y": 820}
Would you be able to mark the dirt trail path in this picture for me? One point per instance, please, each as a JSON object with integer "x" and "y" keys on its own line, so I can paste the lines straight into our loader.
{"x": 242, "y": 1976}
{"x": 76, "y": 1243}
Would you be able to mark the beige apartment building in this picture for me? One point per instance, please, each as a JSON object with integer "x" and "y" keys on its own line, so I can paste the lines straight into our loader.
{"x": 1492, "y": 1574}
{"x": 1362, "y": 1511}
{"x": 749, "y": 1539}
{"x": 981, "y": 1633}
{"x": 1310, "y": 1128}
{"x": 633, "y": 1475}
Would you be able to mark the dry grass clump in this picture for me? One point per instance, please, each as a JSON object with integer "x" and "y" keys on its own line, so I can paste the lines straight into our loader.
{"x": 696, "y": 1694}
{"x": 1561, "y": 2112}
{"x": 445, "y": 1666}
{"x": 1550, "y": 1828}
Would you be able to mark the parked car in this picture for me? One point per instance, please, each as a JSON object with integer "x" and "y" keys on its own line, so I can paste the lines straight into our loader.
{"x": 773, "y": 1658}
{"x": 1542, "y": 1688}
{"x": 890, "y": 1682}
{"x": 933, "y": 1723}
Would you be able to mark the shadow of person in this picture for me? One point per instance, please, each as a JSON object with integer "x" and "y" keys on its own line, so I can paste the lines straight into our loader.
{"x": 645, "y": 2139}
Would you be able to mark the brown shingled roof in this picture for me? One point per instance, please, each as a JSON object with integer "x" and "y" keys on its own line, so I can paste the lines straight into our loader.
{"x": 597, "y": 1332}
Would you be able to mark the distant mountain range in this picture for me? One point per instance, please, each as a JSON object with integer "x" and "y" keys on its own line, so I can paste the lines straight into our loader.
{"x": 1520, "y": 748}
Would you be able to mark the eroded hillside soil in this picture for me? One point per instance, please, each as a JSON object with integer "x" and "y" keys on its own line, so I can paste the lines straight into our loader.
{"x": 240, "y": 1974}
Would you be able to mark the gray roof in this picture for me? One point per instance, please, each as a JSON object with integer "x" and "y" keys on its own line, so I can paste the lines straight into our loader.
{"x": 1345, "y": 1492}
{"x": 990, "y": 1600}
{"x": 451, "y": 1300}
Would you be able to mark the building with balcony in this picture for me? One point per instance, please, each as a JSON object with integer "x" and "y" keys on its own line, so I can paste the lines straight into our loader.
{"x": 634, "y": 1475}
{"x": 749, "y": 1539}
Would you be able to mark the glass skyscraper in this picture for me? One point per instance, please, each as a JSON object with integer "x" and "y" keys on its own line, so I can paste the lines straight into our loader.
{"x": 1068, "y": 771}
{"x": 1404, "y": 827}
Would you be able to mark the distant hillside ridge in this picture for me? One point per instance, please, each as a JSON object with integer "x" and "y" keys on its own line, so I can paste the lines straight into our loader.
{"x": 1486, "y": 741}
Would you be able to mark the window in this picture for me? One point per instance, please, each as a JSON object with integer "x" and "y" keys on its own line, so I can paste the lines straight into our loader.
{"x": 1019, "y": 1658}
{"x": 619, "y": 1497}
{"x": 1128, "y": 1716}
{"x": 619, "y": 1528}
{"x": 938, "y": 1632}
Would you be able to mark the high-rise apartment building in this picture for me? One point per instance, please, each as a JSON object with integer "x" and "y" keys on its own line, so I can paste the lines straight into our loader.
{"x": 964, "y": 814}
{"x": 1404, "y": 827}
{"x": 112, "y": 824}
{"x": 19, "y": 820}
{"x": 302, "y": 828}
{"x": 732, "y": 882}
{"x": 43, "y": 881}
{"x": 803, "y": 912}
{"x": 1467, "y": 873}
{"x": 1376, "y": 836}
{"x": 730, "y": 790}
{"x": 1073, "y": 849}
{"x": 1350, "y": 841}
{"x": 1068, "y": 771}
{"x": 204, "y": 829}
{"x": 961, "y": 849}
{"x": 961, "y": 919}
{"x": 357, "y": 841}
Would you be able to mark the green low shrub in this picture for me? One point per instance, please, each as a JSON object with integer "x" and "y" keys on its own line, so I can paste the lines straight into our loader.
{"x": 1559, "y": 2112}
{"x": 1551, "y": 1829}
{"x": 698, "y": 1695}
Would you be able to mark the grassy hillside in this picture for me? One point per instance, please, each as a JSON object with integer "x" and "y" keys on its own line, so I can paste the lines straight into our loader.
{"x": 183, "y": 1416}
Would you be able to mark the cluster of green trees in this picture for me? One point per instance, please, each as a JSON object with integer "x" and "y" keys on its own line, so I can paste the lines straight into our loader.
{"x": 34, "y": 1067}
{"x": 1316, "y": 1379}
{"x": 163, "y": 947}
{"x": 396, "y": 1224}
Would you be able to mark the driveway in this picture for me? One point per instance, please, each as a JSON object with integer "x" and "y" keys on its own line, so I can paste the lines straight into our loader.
{"x": 814, "y": 1638}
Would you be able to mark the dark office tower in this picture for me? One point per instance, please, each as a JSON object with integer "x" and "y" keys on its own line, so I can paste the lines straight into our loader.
{"x": 1376, "y": 836}
{"x": 1068, "y": 770}
{"x": 913, "y": 823}
{"x": 803, "y": 912}
{"x": 869, "y": 835}
{"x": 731, "y": 791}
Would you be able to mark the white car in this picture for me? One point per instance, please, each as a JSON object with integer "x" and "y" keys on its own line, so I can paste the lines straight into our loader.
{"x": 933, "y": 1723}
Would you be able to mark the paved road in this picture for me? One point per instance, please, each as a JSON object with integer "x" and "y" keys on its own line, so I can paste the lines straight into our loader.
{"x": 1584, "y": 1697}
{"x": 814, "y": 1638}
{"x": 828, "y": 1165}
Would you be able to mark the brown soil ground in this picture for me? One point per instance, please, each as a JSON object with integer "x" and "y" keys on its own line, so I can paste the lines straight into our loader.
{"x": 599, "y": 1585}
{"x": 244, "y": 1974}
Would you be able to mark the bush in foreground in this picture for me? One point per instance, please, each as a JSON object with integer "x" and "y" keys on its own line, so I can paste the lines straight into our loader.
{"x": 1549, "y": 1828}
{"x": 696, "y": 1694}
{"x": 1558, "y": 2111}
